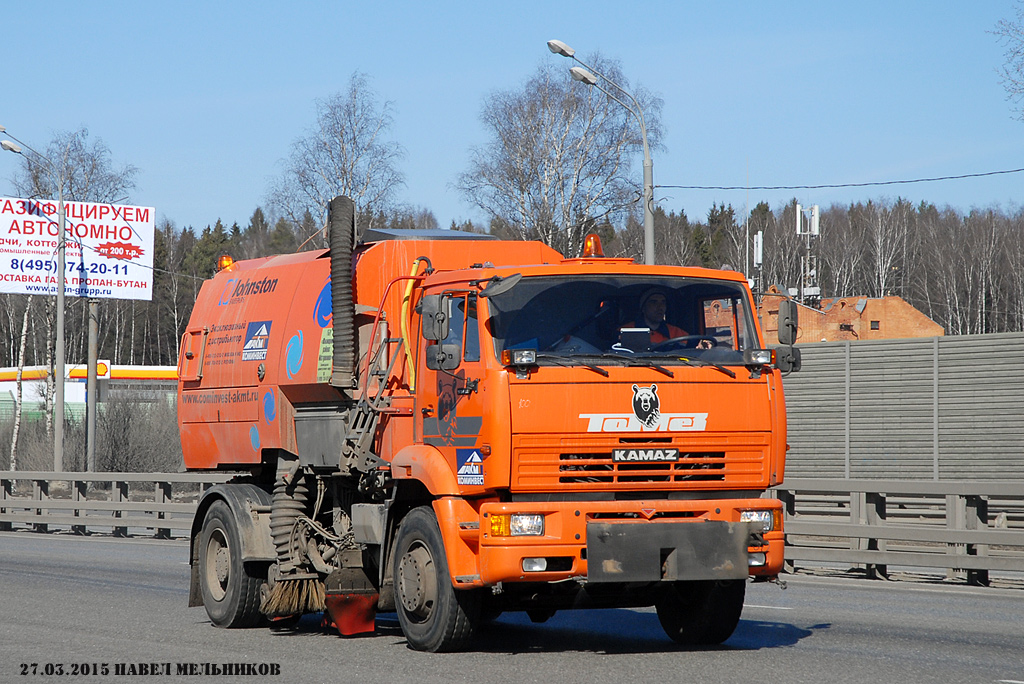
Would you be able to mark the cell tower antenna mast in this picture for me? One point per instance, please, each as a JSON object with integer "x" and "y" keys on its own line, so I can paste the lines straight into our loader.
{"x": 810, "y": 292}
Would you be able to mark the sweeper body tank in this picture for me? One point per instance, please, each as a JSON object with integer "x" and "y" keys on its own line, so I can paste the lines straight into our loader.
{"x": 449, "y": 426}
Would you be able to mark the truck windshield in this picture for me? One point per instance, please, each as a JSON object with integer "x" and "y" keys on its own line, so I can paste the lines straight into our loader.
{"x": 598, "y": 318}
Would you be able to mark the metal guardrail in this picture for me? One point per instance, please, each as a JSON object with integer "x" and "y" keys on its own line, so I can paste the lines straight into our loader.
{"x": 966, "y": 528}
{"x": 111, "y": 502}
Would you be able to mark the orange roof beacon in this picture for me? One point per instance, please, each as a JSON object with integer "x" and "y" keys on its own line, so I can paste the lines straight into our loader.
{"x": 447, "y": 426}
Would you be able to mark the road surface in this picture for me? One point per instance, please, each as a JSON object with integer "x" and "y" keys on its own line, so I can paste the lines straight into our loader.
{"x": 117, "y": 607}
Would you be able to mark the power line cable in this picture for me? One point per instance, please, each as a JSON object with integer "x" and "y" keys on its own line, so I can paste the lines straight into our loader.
{"x": 839, "y": 185}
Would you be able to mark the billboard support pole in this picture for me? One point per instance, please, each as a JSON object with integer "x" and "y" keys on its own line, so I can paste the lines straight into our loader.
{"x": 91, "y": 396}
{"x": 58, "y": 406}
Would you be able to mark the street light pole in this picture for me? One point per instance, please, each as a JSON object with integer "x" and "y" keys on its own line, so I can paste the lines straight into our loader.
{"x": 583, "y": 74}
{"x": 58, "y": 401}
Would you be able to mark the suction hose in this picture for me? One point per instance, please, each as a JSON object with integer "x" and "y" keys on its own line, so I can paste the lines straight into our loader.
{"x": 341, "y": 219}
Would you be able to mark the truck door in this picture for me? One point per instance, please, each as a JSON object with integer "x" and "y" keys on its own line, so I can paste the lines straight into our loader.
{"x": 452, "y": 409}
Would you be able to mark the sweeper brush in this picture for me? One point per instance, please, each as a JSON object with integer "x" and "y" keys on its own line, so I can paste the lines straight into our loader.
{"x": 294, "y": 597}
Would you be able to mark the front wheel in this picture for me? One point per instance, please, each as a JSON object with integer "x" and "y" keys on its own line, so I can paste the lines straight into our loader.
{"x": 701, "y": 613}
{"x": 230, "y": 593}
{"x": 433, "y": 615}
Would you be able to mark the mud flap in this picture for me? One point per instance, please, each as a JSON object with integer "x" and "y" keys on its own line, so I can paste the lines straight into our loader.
{"x": 651, "y": 552}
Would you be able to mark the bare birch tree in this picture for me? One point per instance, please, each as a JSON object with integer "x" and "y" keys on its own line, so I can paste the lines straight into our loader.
{"x": 840, "y": 253}
{"x": 1011, "y": 35}
{"x": 85, "y": 166}
{"x": 782, "y": 248}
{"x": 347, "y": 152}
{"x": 560, "y": 156}
{"x": 19, "y": 389}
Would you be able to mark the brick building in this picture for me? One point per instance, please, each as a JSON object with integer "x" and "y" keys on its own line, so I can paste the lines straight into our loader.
{"x": 850, "y": 318}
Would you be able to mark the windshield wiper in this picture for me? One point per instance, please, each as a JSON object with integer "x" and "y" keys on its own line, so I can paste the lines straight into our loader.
{"x": 570, "y": 361}
{"x": 701, "y": 362}
{"x": 638, "y": 362}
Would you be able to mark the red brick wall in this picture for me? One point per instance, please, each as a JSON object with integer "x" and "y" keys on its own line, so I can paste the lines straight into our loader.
{"x": 851, "y": 318}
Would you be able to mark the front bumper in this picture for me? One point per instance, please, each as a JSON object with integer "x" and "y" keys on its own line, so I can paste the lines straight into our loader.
{"x": 632, "y": 541}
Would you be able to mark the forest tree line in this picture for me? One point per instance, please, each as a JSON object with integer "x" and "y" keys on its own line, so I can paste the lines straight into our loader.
{"x": 964, "y": 270}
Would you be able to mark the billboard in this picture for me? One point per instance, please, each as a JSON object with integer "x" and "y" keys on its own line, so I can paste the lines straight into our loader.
{"x": 108, "y": 249}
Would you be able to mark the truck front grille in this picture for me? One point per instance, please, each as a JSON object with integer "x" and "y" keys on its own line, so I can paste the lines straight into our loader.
{"x": 549, "y": 463}
{"x": 693, "y": 467}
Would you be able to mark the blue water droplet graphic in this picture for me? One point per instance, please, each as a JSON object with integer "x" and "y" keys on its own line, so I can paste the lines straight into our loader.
{"x": 269, "y": 406}
{"x": 293, "y": 361}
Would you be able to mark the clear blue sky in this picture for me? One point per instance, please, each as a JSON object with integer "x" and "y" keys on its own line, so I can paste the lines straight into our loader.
{"x": 206, "y": 97}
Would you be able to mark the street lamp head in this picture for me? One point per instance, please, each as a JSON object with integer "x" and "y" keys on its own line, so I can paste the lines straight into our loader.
{"x": 583, "y": 76}
{"x": 560, "y": 48}
{"x": 10, "y": 147}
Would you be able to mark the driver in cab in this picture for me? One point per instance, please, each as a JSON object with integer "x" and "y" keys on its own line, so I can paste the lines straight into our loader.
{"x": 653, "y": 307}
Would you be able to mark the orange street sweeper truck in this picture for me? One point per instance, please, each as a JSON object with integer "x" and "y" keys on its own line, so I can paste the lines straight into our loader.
{"x": 448, "y": 426}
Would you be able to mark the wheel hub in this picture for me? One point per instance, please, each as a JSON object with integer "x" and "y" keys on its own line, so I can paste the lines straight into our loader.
{"x": 417, "y": 582}
{"x": 222, "y": 563}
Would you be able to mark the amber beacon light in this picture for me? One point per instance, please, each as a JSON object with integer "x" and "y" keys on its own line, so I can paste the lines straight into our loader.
{"x": 592, "y": 246}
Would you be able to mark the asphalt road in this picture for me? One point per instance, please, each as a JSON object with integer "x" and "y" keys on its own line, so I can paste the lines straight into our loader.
{"x": 79, "y": 604}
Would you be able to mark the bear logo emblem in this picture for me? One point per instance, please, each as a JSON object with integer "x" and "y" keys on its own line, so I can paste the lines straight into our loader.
{"x": 646, "y": 406}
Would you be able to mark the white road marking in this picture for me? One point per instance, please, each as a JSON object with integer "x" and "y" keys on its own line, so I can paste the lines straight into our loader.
{"x": 751, "y": 605}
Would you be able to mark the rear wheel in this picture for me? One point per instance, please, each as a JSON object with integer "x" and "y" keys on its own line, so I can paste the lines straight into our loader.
{"x": 230, "y": 593}
{"x": 433, "y": 615}
{"x": 701, "y": 613}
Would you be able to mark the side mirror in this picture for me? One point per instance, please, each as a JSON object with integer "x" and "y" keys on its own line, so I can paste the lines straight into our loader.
{"x": 787, "y": 359}
{"x": 436, "y": 311}
{"x": 787, "y": 322}
{"x": 443, "y": 356}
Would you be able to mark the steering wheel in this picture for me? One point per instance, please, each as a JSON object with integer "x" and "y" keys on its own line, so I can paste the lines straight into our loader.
{"x": 684, "y": 342}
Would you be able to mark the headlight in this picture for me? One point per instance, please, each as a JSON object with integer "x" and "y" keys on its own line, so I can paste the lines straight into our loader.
{"x": 518, "y": 357}
{"x": 764, "y": 518}
{"x": 535, "y": 564}
{"x": 758, "y": 357}
{"x": 517, "y": 525}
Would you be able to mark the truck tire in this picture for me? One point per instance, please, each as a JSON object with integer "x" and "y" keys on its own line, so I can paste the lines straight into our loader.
{"x": 701, "y": 613}
{"x": 433, "y": 615}
{"x": 230, "y": 593}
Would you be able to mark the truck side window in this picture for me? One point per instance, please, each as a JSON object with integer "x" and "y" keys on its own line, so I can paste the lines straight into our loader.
{"x": 472, "y": 330}
{"x": 725, "y": 320}
{"x": 457, "y": 324}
